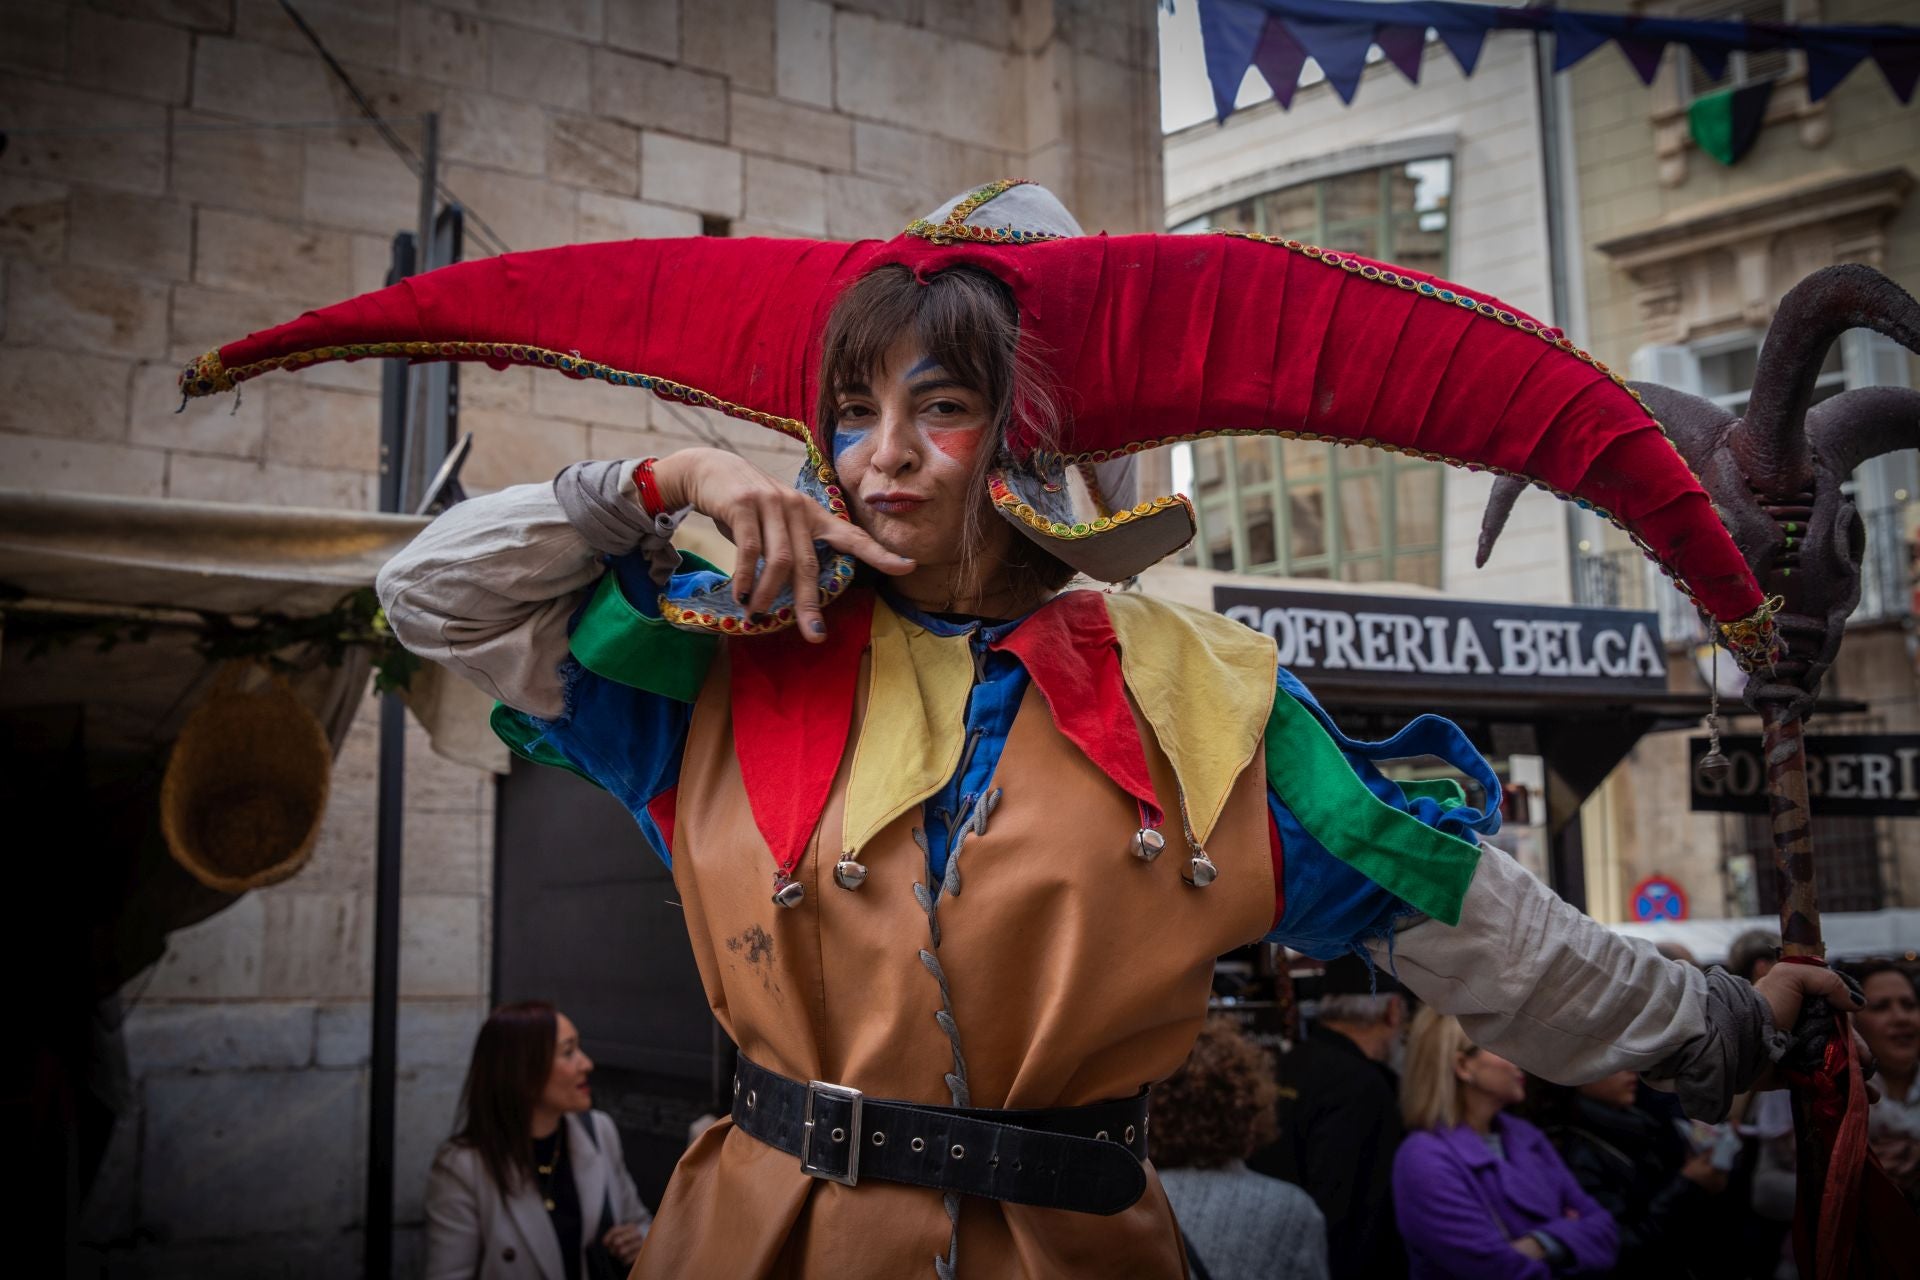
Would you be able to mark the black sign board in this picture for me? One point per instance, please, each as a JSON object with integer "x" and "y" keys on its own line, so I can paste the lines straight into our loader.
{"x": 1431, "y": 642}
{"x": 1863, "y": 775}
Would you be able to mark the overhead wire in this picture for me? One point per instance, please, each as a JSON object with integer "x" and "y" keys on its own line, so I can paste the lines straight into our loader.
{"x": 490, "y": 238}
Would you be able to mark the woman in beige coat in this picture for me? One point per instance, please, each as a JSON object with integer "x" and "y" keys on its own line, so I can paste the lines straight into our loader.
{"x": 534, "y": 1184}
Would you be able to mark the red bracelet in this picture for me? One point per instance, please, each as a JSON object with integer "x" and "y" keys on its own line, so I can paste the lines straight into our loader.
{"x": 649, "y": 488}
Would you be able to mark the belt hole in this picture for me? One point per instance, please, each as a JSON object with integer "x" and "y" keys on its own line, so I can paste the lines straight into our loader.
{"x": 879, "y": 1139}
{"x": 839, "y": 1135}
{"x": 959, "y": 1152}
{"x": 1129, "y": 1135}
{"x": 1018, "y": 1166}
{"x": 1100, "y": 1136}
{"x": 918, "y": 1145}
{"x": 753, "y": 1096}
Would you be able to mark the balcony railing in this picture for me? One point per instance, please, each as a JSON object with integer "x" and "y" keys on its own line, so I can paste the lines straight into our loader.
{"x": 1886, "y": 572}
{"x": 1622, "y": 578}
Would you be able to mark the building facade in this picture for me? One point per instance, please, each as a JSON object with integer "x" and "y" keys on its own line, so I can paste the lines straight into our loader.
{"x": 179, "y": 174}
{"x": 1683, "y": 261}
{"x": 1445, "y": 177}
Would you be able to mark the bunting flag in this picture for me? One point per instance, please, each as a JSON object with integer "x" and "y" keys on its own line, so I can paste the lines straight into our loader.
{"x": 1278, "y": 36}
{"x": 1726, "y": 124}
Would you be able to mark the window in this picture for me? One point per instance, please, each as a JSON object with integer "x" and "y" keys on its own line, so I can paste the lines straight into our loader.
{"x": 1309, "y": 510}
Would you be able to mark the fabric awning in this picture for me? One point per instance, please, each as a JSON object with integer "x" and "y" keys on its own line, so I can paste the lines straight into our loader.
{"x": 135, "y": 560}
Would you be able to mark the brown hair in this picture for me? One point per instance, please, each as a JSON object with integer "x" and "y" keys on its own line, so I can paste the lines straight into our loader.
{"x": 1218, "y": 1106}
{"x": 965, "y": 319}
{"x": 512, "y": 1060}
{"x": 1429, "y": 1089}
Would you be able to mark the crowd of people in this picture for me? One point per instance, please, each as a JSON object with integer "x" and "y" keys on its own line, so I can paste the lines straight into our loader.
{"x": 1383, "y": 1143}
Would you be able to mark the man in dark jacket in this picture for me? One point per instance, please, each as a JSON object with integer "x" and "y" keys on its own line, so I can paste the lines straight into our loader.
{"x": 1339, "y": 1114}
{"x": 1665, "y": 1199}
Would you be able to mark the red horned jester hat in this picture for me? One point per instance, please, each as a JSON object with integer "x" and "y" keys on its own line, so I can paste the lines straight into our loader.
{"x": 1147, "y": 339}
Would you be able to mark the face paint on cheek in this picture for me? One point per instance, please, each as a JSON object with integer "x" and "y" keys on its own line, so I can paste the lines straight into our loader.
{"x": 846, "y": 440}
{"x": 960, "y": 443}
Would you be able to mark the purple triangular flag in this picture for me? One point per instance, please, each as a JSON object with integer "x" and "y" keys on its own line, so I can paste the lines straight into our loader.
{"x": 1643, "y": 55}
{"x": 1341, "y": 50}
{"x": 1711, "y": 57}
{"x": 1280, "y": 57}
{"x": 1901, "y": 67}
{"x": 1403, "y": 47}
{"x": 1228, "y": 31}
{"x": 1574, "y": 38}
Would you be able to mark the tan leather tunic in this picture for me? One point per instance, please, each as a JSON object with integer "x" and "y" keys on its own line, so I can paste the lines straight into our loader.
{"x": 1078, "y": 973}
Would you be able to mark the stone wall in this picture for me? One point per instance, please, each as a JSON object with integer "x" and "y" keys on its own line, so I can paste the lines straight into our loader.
{"x": 154, "y": 229}
{"x": 1490, "y": 126}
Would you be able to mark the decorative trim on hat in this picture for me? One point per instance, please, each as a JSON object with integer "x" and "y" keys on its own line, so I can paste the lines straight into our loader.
{"x": 955, "y": 227}
{"x": 208, "y": 375}
{"x": 1011, "y": 504}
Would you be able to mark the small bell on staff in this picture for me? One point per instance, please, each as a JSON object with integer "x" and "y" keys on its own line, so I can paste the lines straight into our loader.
{"x": 1714, "y": 765}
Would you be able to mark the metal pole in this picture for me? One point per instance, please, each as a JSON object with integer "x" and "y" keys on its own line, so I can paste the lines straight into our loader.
{"x": 401, "y": 447}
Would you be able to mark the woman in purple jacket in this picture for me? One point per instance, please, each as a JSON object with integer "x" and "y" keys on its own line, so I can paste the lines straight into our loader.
{"x": 1479, "y": 1193}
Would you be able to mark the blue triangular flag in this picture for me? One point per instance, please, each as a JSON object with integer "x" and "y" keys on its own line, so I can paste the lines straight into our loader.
{"x": 1228, "y": 31}
{"x": 1341, "y": 50}
{"x": 1574, "y": 37}
{"x": 1829, "y": 61}
{"x": 1464, "y": 43}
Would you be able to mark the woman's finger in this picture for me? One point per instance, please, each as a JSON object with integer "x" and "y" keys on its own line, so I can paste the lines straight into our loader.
{"x": 746, "y": 545}
{"x": 855, "y": 541}
{"x": 806, "y": 577}
{"x": 776, "y": 555}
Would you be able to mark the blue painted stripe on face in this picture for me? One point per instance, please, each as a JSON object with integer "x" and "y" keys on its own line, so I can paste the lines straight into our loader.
{"x": 845, "y": 439}
{"x": 926, "y": 363}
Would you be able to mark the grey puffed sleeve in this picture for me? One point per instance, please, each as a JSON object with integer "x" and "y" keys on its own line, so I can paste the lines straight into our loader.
{"x": 1562, "y": 995}
{"x": 487, "y": 589}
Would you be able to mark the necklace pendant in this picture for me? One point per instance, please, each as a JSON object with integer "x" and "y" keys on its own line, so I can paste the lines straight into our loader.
{"x": 849, "y": 873}
{"x": 1147, "y": 844}
{"x": 788, "y": 892}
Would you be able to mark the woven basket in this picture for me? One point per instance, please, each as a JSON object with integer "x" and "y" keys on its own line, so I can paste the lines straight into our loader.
{"x": 246, "y": 785}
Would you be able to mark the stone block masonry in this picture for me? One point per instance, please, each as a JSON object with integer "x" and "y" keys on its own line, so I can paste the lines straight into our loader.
{"x": 210, "y": 211}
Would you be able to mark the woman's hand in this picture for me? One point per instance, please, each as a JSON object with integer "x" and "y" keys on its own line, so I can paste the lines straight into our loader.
{"x": 1786, "y": 986}
{"x": 773, "y": 527}
{"x": 623, "y": 1242}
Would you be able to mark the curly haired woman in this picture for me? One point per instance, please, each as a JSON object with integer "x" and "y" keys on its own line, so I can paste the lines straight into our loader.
{"x": 1207, "y": 1118}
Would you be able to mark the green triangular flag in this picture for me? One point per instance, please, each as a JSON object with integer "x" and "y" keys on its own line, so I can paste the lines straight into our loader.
{"x": 1726, "y": 124}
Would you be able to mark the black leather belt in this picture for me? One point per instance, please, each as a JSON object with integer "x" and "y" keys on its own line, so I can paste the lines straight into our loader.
{"x": 1087, "y": 1159}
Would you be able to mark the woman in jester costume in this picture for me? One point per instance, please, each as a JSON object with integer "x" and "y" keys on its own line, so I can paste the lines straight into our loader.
{"x": 958, "y": 846}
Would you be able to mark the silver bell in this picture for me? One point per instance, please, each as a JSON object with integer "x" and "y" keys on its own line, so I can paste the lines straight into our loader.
{"x": 1714, "y": 766}
{"x": 1201, "y": 872}
{"x": 788, "y": 893}
{"x": 849, "y": 874}
{"x": 1147, "y": 844}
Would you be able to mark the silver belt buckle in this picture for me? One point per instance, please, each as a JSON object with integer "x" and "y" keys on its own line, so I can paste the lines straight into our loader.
{"x": 855, "y": 1099}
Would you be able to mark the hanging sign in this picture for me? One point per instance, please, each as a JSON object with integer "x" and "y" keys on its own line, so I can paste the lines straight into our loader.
{"x": 1861, "y": 775}
{"x": 1658, "y": 899}
{"x": 1433, "y": 641}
